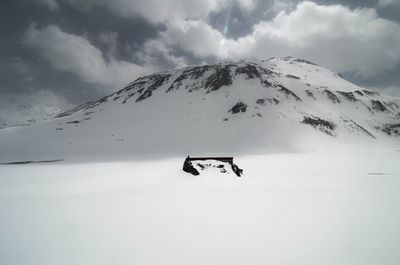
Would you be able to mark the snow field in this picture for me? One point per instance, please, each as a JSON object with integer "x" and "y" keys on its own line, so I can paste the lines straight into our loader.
{"x": 338, "y": 207}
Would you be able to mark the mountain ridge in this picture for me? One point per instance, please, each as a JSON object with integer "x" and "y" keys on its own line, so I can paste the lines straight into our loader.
{"x": 279, "y": 104}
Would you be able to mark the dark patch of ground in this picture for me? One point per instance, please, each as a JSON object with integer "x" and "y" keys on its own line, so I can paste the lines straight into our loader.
{"x": 200, "y": 162}
{"x": 31, "y": 162}
{"x": 332, "y": 97}
{"x": 190, "y": 73}
{"x": 238, "y": 107}
{"x": 288, "y": 92}
{"x": 390, "y": 129}
{"x": 158, "y": 80}
{"x": 73, "y": 122}
{"x": 292, "y": 76}
{"x": 221, "y": 77}
{"x": 348, "y": 95}
{"x": 370, "y": 93}
{"x": 304, "y": 61}
{"x": 321, "y": 124}
{"x": 249, "y": 70}
{"x": 265, "y": 101}
{"x": 377, "y": 105}
{"x": 310, "y": 94}
{"x": 359, "y": 92}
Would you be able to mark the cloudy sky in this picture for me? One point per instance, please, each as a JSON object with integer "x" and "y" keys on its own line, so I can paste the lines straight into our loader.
{"x": 66, "y": 52}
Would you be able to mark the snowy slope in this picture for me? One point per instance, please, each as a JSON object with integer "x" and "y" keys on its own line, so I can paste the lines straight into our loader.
{"x": 27, "y": 114}
{"x": 280, "y": 104}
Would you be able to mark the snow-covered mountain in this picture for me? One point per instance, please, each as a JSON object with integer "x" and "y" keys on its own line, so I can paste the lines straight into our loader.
{"x": 280, "y": 104}
{"x": 27, "y": 114}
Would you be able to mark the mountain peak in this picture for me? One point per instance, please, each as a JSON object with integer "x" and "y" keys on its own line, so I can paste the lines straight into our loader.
{"x": 265, "y": 105}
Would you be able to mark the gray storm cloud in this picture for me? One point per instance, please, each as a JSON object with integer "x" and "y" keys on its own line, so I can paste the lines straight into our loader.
{"x": 83, "y": 49}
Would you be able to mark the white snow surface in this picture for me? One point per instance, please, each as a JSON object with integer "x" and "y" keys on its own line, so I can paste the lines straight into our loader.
{"x": 336, "y": 208}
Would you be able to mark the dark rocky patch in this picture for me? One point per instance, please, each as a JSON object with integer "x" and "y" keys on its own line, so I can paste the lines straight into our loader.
{"x": 199, "y": 71}
{"x": 321, "y": 124}
{"x": 393, "y": 105}
{"x": 359, "y": 92}
{"x": 73, "y": 122}
{"x": 303, "y": 61}
{"x": 238, "y": 107}
{"x": 267, "y": 84}
{"x": 249, "y": 70}
{"x": 348, "y": 95}
{"x": 261, "y": 101}
{"x": 390, "y": 129}
{"x": 267, "y": 72}
{"x": 31, "y": 162}
{"x": 221, "y": 77}
{"x": 141, "y": 81}
{"x": 292, "y": 76}
{"x": 264, "y": 101}
{"x": 189, "y": 168}
{"x": 377, "y": 105}
{"x": 138, "y": 91}
{"x": 332, "y": 96}
{"x": 178, "y": 82}
{"x": 190, "y": 73}
{"x": 158, "y": 80}
{"x": 370, "y": 93}
{"x": 288, "y": 92}
{"x": 310, "y": 94}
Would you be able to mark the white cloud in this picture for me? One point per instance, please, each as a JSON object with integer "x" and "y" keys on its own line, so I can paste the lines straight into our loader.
{"x": 391, "y": 90}
{"x": 340, "y": 38}
{"x": 12, "y": 101}
{"x": 247, "y": 4}
{"x": 334, "y": 36}
{"x": 110, "y": 38}
{"x": 75, "y": 54}
{"x": 155, "y": 53}
{"x": 195, "y": 36}
{"x": 386, "y": 3}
